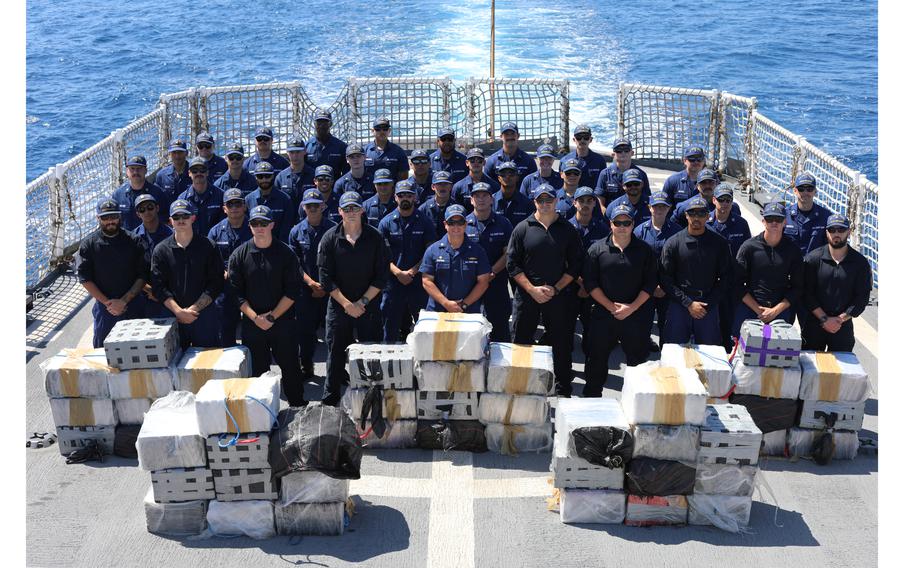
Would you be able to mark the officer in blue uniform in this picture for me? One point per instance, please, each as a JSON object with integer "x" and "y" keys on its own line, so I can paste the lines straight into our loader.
{"x": 508, "y": 201}
{"x": 304, "y": 241}
{"x": 544, "y": 174}
{"x": 681, "y": 185}
{"x": 385, "y": 153}
{"x": 492, "y": 231}
{"x": 421, "y": 175}
{"x": 461, "y": 191}
{"x": 324, "y": 185}
{"x": 278, "y": 202}
{"x": 510, "y": 152}
{"x": 383, "y": 202}
{"x": 323, "y": 149}
{"x": 434, "y": 209}
{"x": 298, "y": 177}
{"x": 806, "y": 219}
{"x": 407, "y": 235}
{"x": 591, "y": 228}
{"x": 633, "y": 185}
{"x": 609, "y": 182}
{"x": 264, "y": 153}
{"x": 359, "y": 178}
{"x": 590, "y": 162}
{"x": 706, "y": 183}
{"x": 447, "y": 158}
{"x": 228, "y": 234}
{"x": 151, "y": 232}
{"x": 174, "y": 178}
{"x": 113, "y": 270}
{"x": 456, "y": 271}
{"x": 206, "y": 199}
{"x": 205, "y": 148}
{"x": 136, "y": 185}
{"x": 237, "y": 177}
{"x": 565, "y": 197}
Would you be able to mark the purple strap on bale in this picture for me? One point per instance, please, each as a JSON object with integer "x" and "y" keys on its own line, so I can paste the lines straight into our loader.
{"x": 763, "y": 351}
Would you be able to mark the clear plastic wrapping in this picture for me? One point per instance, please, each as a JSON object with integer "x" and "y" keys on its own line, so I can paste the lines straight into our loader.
{"x": 83, "y": 412}
{"x": 396, "y": 404}
{"x": 183, "y": 484}
{"x": 141, "y": 383}
{"x": 729, "y": 436}
{"x": 648, "y": 511}
{"x": 774, "y": 443}
{"x": 251, "y": 451}
{"x": 398, "y": 434}
{"x": 769, "y": 414}
{"x": 512, "y": 439}
{"x": 255, "y": 519}
{"x": 315, "y": 437}
{"x": 800, "y": 441}
{"x": 449, "y": 435}
{"x": 584, "y": 414}
{"x": 847, "y": 415}
{"x": 652, "y": 394}
{"x": 197, "y": 366}
{"x": 592, "y": 506}
{"x": 318, "y": 519}
{"x": 776, "y": 344}
{"x": 313, "y": 487}
{"x": 662, "y": 442}
{"x": 170, "y": 434}
{"x": 773, "y": 382}
{"x": 238, "y": 405}
{"x": 390, "y": 366}
{"x": 132, "y": 410}
{"x": 721, "y": 479}
{"x": 77, "y": 373}
{"x": 646, "y": 476}
{"x": 70, "y": 438}
{"x": 451, "y": 376}
{"x": 444, "y": 405}
{"x": 513, "y": 409}
{"x": 574, "y": 472}
{"x": 723, "y": 511}
{"x": 835, "y": 376}
{"x": 520, "y": 369}
{"x": 125, "y": 440}
{"x": 244, "y": 484}
{"x": 709, "y": 361}
{"x": 175, "y": 519}
{"x": 443, "y": 336}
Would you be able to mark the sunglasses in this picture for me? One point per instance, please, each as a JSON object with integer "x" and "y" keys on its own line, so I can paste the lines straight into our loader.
{"x": 263, "y": 139}
{"x": 448, "y": 139}
{"x": 836, "y": 230}
{"x": 144, "y": 208}
{"x": 420, "y": 162}
{"x": 235, "y": 204}
{"x": 259, "y": 223}
{"x": 203, "y": 145}
{"x": 312, "y": 206}
{"x": 545, "y": 200}
{"x": 633, "y": 184}
{"x": 582, "y": 136}
{"x": 323, "y": 178}
{"x": 382, "y": 128}
{"x": 456, "y": 223}
{"x": 698, "y": 213}
{"x": 350, "y": 209}
{"x": 622, "y": 150}
{"x": 622, "y": 223}
{"x": 774, "y": 220}
{"x": 572, "y": 173}
{"x": 180, "y": 217}
{"x": 805, "y": 189}
{"x": 476, "y": 160}
{"x": 234, "y": 157}
{"x": 507, "y": 174}
{"x": 198, "y": 170}
{"x": 695, "y": 160}
{"x": 724, "y": 199}
{"x": 264, "y": 176}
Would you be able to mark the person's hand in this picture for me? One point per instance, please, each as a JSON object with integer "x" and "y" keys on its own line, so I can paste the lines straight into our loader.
{"x": 404, "y": 277}
{"x": 541, "y": 294}
{"x": 355, "y": 309}
{"x": 186, "y": 316}
{"x": 582, "y": 293}
{"x": 452, "y": 306}
{"x": 622, "y": 311}
{"x": 316, "y": 290}
{"x": 262, "y": 323}
{"x": 116, "y": 307}
{"x": 149, "y": 294}
{"x": 698, "y": 310}
{"x": 659, "y": 292}
{"x": 832, "y": 325}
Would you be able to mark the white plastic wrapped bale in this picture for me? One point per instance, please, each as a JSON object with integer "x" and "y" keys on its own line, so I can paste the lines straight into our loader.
{"x": 244, "y": 484}
{"x": 661, "y": 442}
{"x": 83, "y": 412}
{"x": 725, "y": 512}
{"x": 513, "y": 409}
{"x": 647, "y": 511}
{"x": 774, "y": 443}
{"x": 776, "y": 344}
{"x": 444, "y": 405}
{"x": 443, "y": 336}
{"x": 316, "y": 519}
{"x": 847, "y": 415}
{"x": 511, "y": 440}
{"x": 198, "y": 366}
{"x": 141, "y": 343}
{"x": 800, "y": 440}
{"x": 652, "y": 394}
{"x": 132, "y": 410}
{"x": 183, "y": 484}
{"x": 571, "y": 471}
{"x": 170, "y": 435}
{"x": 594, "y": 430}
{"x": 592, "y": 506}
{"x": 175, "y": 519}
{"x": 709, "y": 361}
{"x": 451, "y": 376}
{"x": 141, "y": 383}
{"x": 238, "y": 405}
{"x": 729, "y": 436}
{"x": 389, "y": 366}
{"x": 721, "y": 479}
{"x": 251, "y": 451}
{"x": 313, "y": 487}
{"x": 77, "y": 373}
{"x": 396, "y": 404}
{"x": 835, "y": 376}
{"x": 71, "y": 438}
{"x": 769, "y": 382}
{"x": 398, "y": 434}
{"x": 255, "y": 519}
{"x": 520, "y": 369}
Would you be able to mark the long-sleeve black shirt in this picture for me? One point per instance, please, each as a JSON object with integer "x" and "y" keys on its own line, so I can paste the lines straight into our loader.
{"x": 184, "y": 274}
{"x": 112, "y": 263}
{"x": 770, "y": 274}
{"x": 837, "y": 288}
{"x": 621, "y": 274}
{"x": 696, "y": 268}
{"x": 352, "y": 268}
{"x": 262, "y": 276}
{"x": 544, "y": 254}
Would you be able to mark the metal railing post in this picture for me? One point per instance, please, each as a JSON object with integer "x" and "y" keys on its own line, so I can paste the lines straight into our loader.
{"x": 118, "y": 158}
{"x": 564, "y": 127}
{"x": 58, "y": 222}
{"x": 164, "y": 130}
{"x": 856, "y": 201}
{"x": 202, "y": 115}
{"x": 621, "y": 111}
{"x": 470, "y": 111}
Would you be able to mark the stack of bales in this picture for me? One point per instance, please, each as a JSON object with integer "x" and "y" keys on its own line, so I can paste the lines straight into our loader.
{"x": 197, "y": 366}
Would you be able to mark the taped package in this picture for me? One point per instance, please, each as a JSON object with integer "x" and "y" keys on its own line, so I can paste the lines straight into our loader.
{"x": 170, "y": 435}
{"x": 250, "y": 451}
{"x": 833, "y": 377}
{"x": 389, "y": 366}
{"x": 141, "y": 343}
{"x": 316, "y": 519}
{"x": 652, "y": 394}
{"x": 244, "y": 484}
{"x": 774, "y": 443}
{"x": 132, "y": 410}
{"x": 83, "y": 412}
{"x": 198, "y": 366}
{"x": 769, "y": 414}
{"x": 709, "y": 361}
{"x": 595, "y": 430}
{"x": 729, "y": 436}
{"x": 71, "y": 438}
{"x": 845, "y": 415}
{"x": 238, "y": 405}
{"x": 452, "y": 376}
{"x": 776, "y": 344}
{"x": 396, "y": 404}
{"x": 512, "y": 439}
{"x": 141, "y": 383}
{"x": 175, "y": 519}
{"x": 449, "y": 435}
{"x": 801, "y": 440}
{"x": 398, "y": 434}
{"x": 445, "y": 405}
{"x": 315, "y": 437}
{"x": 313, "y": 487}
{"x": 720, "y": 479}
{"x": 520, "y": 369}
{"x": 592, "y": 506}
{"x": 443, "y": 336}
{"x": 644, "y": 511}
{"x": 573, "y": 472}
{"x": 769, "y": 382}
{"x": 125, "y": 440}
{"x": 646, "y": 476}
{"x": 255, "y": 519}
{"x": 183, "y": 484}
{"x": 663, "y": 442}
{"x": 723, "y": 511}
{"x": 77, "y": 373}
{"x": 513, "y": 409}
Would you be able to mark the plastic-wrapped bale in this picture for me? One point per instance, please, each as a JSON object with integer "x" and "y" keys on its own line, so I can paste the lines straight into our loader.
{"x": 776, "y": 344}
{"x": 398, "y": 435}
{"x": 77, "y": 373}
{"x": 592, "y": 506}
{"x": 71, "y": 438}
{"x": 316, "y": 519}
{"x": 313, "y": 487}
{"x": 594, "y": 430}
{"x": 183, "y": 484}
{"x": 836, "y": 377}
{"x": 843, "y": 415}
{"x": 729, "y": 436}
{"x": 774, "y": 443}
{"x": 448, "y": 435}
{"x": 175, "y": 519}
{"x": 255, "y": 519}
{"x": 652, "y": 394}
{"x": 443, "y": 336}
{"x": 726, "y": 512}
{"x": 802, "y": 442}
{"x": 451, "y": 376}
{"x": 709, "y": 361}
{"x": 170, "y": 436}
{"x": 250, "y": 451}
{"x": 646, "y": 476}
{"x": 444, "y": 405}
{"x": 520, "y": 369}
{"x": 83, "y": 412}
{"x": 513, "y": 409}
{"x": 141, "y": 343}
{"x": 642, "y": 511}
{"x": 141, "y": 383}
{"x": 768, "y": 414}
{"x": 388, "y": 366}
{"x": 315, "y": 438}
{"x": 395, "y": 404}
{"x": 198, "y": 366}
{"x": 570, "y": 471}
{"x": 125, "y": 440}
{"x": 512, "y": 439}
{"x": 244, "y": 484}
{"x": 769, "y": 382}
{"x": 661, "y": 442}
{"x": 238, "y": 405}
{"x": 721, "y": 479}
{"x": 132, "y": 410}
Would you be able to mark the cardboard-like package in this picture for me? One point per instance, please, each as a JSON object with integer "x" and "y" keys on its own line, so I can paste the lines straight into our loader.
{"x": 186, "y": 518}
{"x": 647, "y": 511}
{"x": 513, "y": 409}
{"x": 182, "y": 484}
{"x": 71, "y": 438}
{"x": 249, "y": 451}
{"x": 520, "y": 369}
{"x": 132, "y": 410}
{"x": 729, "y": 436}
{"x": 83, "y": 412}
{"x": 592, "y": 506}
{"x": 443, "y": 336}
{"x": 141, "y": 343}
{"x": 774, "y": 443}
{"x": 244, "y": 484}
{"x": 313, "y": 487}
{"x": 511, "y": 439}
{"x": 801, "y": 440}
{"x": 445, "y": 405}
{"x": 170, "y": 436}
{"x": 255, "y": 519}
{"x": 399, "y": 434}
{"x": 663, "y": 442}
{"x": 389, "y": 366}
{"x": 835, "y": 377}
{"x": 77, "y": 373}
{"x": 652, "y": 394}
{"x": 451, "y": 376}
{"x": 198, "y": 366}
{"x": 730, "y": 513}
{"x": 847, "y": 415}
{"x": 396, "y": 404}
{"x": 141, "y": 383}
{"x": 604, "y": 414}
{"x": 721, "y": 479}
{"x": 709, "y": 361}
{"x": 238, "y": 405}
{"x": 574, "y": 472}
{"x": 317, "y": 519}
{"x": 769, "y": 382}
{"x": 775, "y": 344}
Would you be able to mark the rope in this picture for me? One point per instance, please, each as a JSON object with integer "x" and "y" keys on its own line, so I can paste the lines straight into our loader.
{"x": 234, "y": 441}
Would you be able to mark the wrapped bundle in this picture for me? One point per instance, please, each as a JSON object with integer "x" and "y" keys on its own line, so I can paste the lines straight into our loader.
{"x": 244, "y": 484}
{"x": 77, "y": 373}
{"x": 644, "y": 511}
{"x": 833, "y": 377}
{"x": 451, "y": 376}
{"x": 775, "y": 344}
{"x": 719, "y": 479}
{"x": 723, "y": 511}
{"x": 447, "y": 435}
{"x": 595, "y": 430}
{"x": 510, "y": 439}
{"x": 445, "y": 405}
{"x": 83, "y": 412}
{"x": 398, "y": 434}
{"x": 141, "y": 343}
{"x": 729, "y": 436}
{"x": 646, "y": 476}
{"x": 520, "y": 369}
{"x": 198, "y": 366}
{"x": 396, "y": 404}
{"x": 250, "y": 451}
{"x": 71, "y": 438}
{"x": 388, "y": 366}
{"x": 125, "y": 440}
{"x": 141, "y": 383}
{"x": 513, "y": 409}
{"x": 182, "y": 484}
{"x": 652, "y": 394}
{"x": 592, "y": 506}
{"x": 132, "y": 410}
{"x": 238, "y": 405}
{"x": 708, "y": 361}
{"x": 844, "y": 415}
{"x": 315, "y": 438}
{"x": 175, "y": 519}
{"x": 255, "y": 519}
{"x": 769, "y": 382}
{"x": 317, "y": 519}
{"x": 313, "y": 487}
{"x": 570, "y": 471}
{"x": 443, "y": 336}
{"x": 768, "y": 414}
{"x": 170, "y": 435}
{"x": 774, "y": 443}
{"x": 803, "y": 442}
{"x": 679, "y": 443}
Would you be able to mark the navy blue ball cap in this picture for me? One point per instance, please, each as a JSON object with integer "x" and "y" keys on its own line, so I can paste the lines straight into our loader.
{"x": 199, "y": 162}
{"x": 264, "y": 131}
{"x": 177, "y": 145}
{"x": 235, "y": 149}
{"x": 382, "y": 121}
{"x": 632, "y": 176}
{"x": 804, "y": 178}
{"x": 545, "y": 150}
{"x": 773, "y": 209}
{"x": 181, "y": 207}
{"x": 144, "y": 198}
{"x": 544, "y": 189}
{"x": 694, "y": 152}
{"x": 204, "y": 138}
{"x": 261, "y": 212}
{"x": 583, "y": 191}
{"x": 264, "y": 168}
{"x": 837, "y": 220}
{"x": 312, "y": 196}
{"x": 296, "y": 144}
{"x": 697, "y": 203}
{"x": 453, "y": 211}
{"x": 571, "y": 165}
{"x": 137, "y": 161}
{"x": 704, "y": 175}
{"x": 481, "y": 186}
{"x": 724, "y": 189}
{"x": 446, "y": 131}
{"x": 232, "y": 194}
{"x": 324, "y": 170}
{"x": 419, "y": 157}
{"x": 353, "y": 149}
{"x": 622, "y": 143}
{"x": 474, "y": 153}
{"x": 506, "y": 167}
{"x": 582, "y": 129}
{"x": 659, "y": 198}
{"x": 404, "y": 186}
{"x": 350, "y": 198}
{"x": 322, "y": 114}
{"x": 621, "y": 209}
{"x": 383, "y": 176}
{"x": 442, "y": 176}
{"x": 107, "y": 206}
{"x": 508, "y": 126}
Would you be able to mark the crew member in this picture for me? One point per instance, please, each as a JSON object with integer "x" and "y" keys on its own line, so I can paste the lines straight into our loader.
{"x": 237, "y": 176}
{"x": 434, "y": 209}
{"x": 510, "y": 152}
{"x": 135, "y": 186}
{"x": 228, "y": 234}
{"x": 206, "y": 199}
{"x": 609, "y": 182}
{"x": 633, "y": 185}
{"x": 385, "y": 153}
{"x": 565, "y": 197}
{"x": 205, "y": 148}
{"x": 277, "y": 201}
{"x": 590, "y": 162}
{"x": 806, "y": 220}
{"x": 544, "y": 174}
{"x": 728, "y": 224}
{"x": 297, "y": 177}
{"x": 359, "y": 178}
{"x": 421, "y": 176}
{"x": 383, "y": 202}
{"x": 264, "y": 153}
{"x": 324, "y": 184}
{"x": 681, "y": 185}
{"x": 705, "y": 183}
{"x": 455, "y": 271}
{"x": 447, "y": 158}
{"x": 508, "y": 201}
{"x": 323, "y": 149}
{"x": 174, "y": 178}
{"x": 151, "y": 232}
{"x": 591, "y": 229}
{"x": 461, "y": 191}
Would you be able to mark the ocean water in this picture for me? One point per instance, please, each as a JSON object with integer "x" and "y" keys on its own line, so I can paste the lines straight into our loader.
{"x": 92, "y": 66}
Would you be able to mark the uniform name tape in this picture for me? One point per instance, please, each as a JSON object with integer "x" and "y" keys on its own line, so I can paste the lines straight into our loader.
{"x": 445, "y": 336}
{"x": 82, "y": 412}
{"x": 693, "y": 361}
{"x": 520, "y": 370}
{"x": 235, "y": 398}
{"x": 460, "y": 378}
{"x": 202, "y": 368}
{"x": 76, "y": 360}
{"x": 772, "y": 380}
{"x": 829, "y": 374}
{"x": 670, "y": 396}
{"x": 392, "y": 407}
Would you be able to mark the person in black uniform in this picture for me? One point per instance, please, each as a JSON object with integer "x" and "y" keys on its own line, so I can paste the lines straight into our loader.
{"x": 266, "y": 277}
{"x": 112, "y": 268}
{"x": 837, "y": 285}
{"x": 544, "y": 257}
{"x": 620, "y": 274}
{"x": 353, "y": 268}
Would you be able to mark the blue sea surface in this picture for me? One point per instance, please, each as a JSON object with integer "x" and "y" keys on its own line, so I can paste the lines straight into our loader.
{"x": 92, "y": 66}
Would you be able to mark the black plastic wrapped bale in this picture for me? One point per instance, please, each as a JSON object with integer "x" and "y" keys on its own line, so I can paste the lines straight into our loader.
{"x": 315, "y": 438}
{"x": 769, "y": 414}
{"x": 448, "y": 435}
{"x": 125, "y": 440}
{"x": 650, "y": 477}
{"x": 604, "y": 446}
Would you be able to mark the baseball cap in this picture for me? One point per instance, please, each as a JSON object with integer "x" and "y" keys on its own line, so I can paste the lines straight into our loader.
{"x": 107, "y": 207}
{"x": 442, "y": 176}
{"x": 505, "y": 166}
{"x": 694, "y": 152}
{"x": 324, "y": 170}
{"x": 419, "y": 157}
{"x": 177, "y": 145}
{"x": 804, "y": 178}
{"x": 571, "y": 165}
{"x": 404, "y": 186}
{"x": 383, "y": 121}
{"x": 724, "y": 189}
{"x": 621, "y": 209}
{"x": 234, "y": 148}
{"x": 353, "y": 148}
{"x": 582, "y": 129}
{"x": 232, "y": 194}
{"x": 445, "y": 132}
{"x": 474, "y": 153}
{"x": 137, "y": 161}
{"x": 199, "y": 161}
{"x": 144, "y": 198}
{"x": 350, "y": 198}
{"x": 311, "y": 196}
{"x": 659, "y": 198}
{"x": 261, "y": 212}
{"x": 322, "y": 114}
{"x": 264, "y": 131}
{"x": 205, "y": 137}
{"x": 296, "y": 144}
{"x": 264, "y": 168}
{"x": 181, "y": 207}
{"x": 507, "y": 126}
{"x": 696, "y": 203}
{"x": 583, "y": 191}
{"x": 631, "y": 176}
{"x": 705, "y": 175}
{"x": 454, "y": 211}
{"x": 544, "y": 188}
{"x": 545, "y": 150}
{"x": 620, "y": 142}
{"x": 837, "y": 220}
{"x": 773, "y": 209}
{"x": 481, "y": 186}
{"x": 382, "y": 176}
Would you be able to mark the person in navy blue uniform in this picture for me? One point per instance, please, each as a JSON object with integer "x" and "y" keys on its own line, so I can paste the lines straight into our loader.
{"x": 633, "y": 185}
{"x": 544, "y": 257}
{"x": 806, "y": 220}
{"x": 406, "y": 234}
{"x": 421, "y": 175}
{"x": 228, "y": 234}
{"x": 112, "y": 269}
{"x": 447, "y": 158}
{"x": 386, "y": 154}
{"x": 206, "y": 199}
{"x": 151, "y": 232}
{"x": 492, "y": 231}
{"x": 544, "y": 174}
{"x": 323, "y": 149}
{"x": 434, "y": 209}
{"x": 264, "y": 153}
{"x": 837, "y": 286}
{"x": 266, "y": 275}
{"x": 174, "y": 178}
{"x": 565, "y": 197}
{"x": 277, "y": 201}
{"x": 591, "y": 228}
{"x": 681, "y": 185}
{"x": 508, "y": 201}
{"x": 187, "y": 276}
{"x": 136, "y": 185}
{"x": 313, "y": 302}
{"x": 353, "y": 269}
{"x": 298, "y": 177}
{"x": 324, "y": 185}
{"x": 609, "y": 182}
{"x": 456, "y": 271}
{"x": 461, "y": 191}
{"x": 590, "y": 162}
{"x": 706, "y": 183}
{"x": 383, "y": 201}
{"x": 510, "y": 152}
{"x": 359, "y": 178}
{"x": 696, "y": 272}
{"x": 237, "y": 177}
{"x": 205, "y": 148}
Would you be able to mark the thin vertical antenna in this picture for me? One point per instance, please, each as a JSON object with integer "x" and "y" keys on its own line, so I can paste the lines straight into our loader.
{"x": 492, "y": 70}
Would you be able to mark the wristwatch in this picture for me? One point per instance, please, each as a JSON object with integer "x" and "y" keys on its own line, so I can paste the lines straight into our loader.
{"x": 823, "y": 319}
{"x": 270, "y": 318}
{"x": 463, "y": 306}
{"x": 364, "y": 301}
